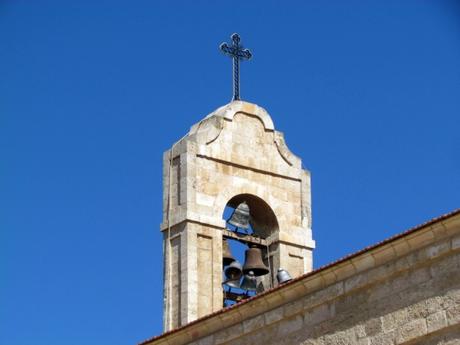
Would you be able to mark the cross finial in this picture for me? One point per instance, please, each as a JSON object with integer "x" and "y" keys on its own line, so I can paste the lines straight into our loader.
{"x": 236, "y": 52}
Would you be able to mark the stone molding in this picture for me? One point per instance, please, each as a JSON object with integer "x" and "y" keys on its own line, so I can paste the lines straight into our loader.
{"x": 208, "y": 130}
{"x": 229, "y": 110}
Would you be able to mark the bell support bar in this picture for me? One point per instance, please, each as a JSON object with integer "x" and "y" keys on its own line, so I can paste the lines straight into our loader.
{"x": 243, "y": 238}
{"x": 235, "y": 296}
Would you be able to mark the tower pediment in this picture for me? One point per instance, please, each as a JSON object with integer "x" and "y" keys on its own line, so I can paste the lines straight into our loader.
{"x": 243, "y": 133}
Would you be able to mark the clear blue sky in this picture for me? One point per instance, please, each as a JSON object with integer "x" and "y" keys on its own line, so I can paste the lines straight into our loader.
{"x": 92, "y": 93}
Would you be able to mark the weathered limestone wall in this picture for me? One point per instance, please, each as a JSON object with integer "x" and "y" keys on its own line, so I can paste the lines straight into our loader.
{"x": 386, "y": 305}
{"x": 195, "y": 272}
{"x": 404, "y": 291}
{"x": 234, "y": 151}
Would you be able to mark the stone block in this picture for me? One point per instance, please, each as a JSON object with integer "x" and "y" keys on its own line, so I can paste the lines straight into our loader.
{"x": 356, "y": 281}
{"x": 381, "y": 272}
{"x": 346, "y": 337}
{"x": 360, "y": 331}
{"x": 228, "y": 333}
{"x": 323, "y": 295}
{"x": 351, "y": 302}
{"x": 363, "y": 262}
{"x": 405, "y": 263}
{"x": 453, "y": 315}
{"x": 394, "y": 320}
{"x": 384, "y": 254}
{"x": 420, "y": 239}
{"x": 382, "y": 339}
{"x": 292, "y": 308}
{"x": 274, "y": 315}
{"x": 424, "y": 307}
{"x": 329, "y": 276}
{"x": 253, "y": 323}
{"x": 291, "y": 325}
{"x": 343, "y": 271}
{"x": 373, "y": 326}
{"x": 438, "y": 249}
{"x": 209, "y": 340}
{"x": 436, "y": 321}
{"x": 419, "y": 276}
{"x": 364, "y": 341}
{"x": 456, "y": 242}
{"x": 411, "y": 330}
{"x": 314, "y": 283}
{"x": 448, "y": 266}
{"x": 317, "y": 315}
{"x": 401, "y": 248}
{"x": 451, "y": 298}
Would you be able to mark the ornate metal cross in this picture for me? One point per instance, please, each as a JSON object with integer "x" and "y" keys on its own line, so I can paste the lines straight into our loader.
{"x": 236, "y": 52}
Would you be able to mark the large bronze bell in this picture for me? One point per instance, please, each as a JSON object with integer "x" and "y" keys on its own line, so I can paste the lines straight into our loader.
{"x": 240, "y": 218}
{"x": 253, "y": 262}
{"x": 233, "y": 271}
{"x": 227, "y": 257}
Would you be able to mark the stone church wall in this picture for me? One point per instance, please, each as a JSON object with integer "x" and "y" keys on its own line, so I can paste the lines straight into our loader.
{"x": 403, "y": 291}
{"x": 402, "y": 301}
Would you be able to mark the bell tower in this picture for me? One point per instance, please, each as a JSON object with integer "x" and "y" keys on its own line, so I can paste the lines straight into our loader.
{"x": 233, "y": 157}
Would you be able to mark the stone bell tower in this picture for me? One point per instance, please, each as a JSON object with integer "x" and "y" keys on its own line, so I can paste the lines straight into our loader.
{"x": 232, "y": 155}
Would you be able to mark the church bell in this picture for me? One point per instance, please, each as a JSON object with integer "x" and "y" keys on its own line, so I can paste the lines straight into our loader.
{"x": 240, "y": 218}
{"x": 253, "y": 262}
{"x": 249, "y": 282}
{"x": 233, "y": 271}
{"x": 227, "y": 257}
{"x": 283, "y": 276}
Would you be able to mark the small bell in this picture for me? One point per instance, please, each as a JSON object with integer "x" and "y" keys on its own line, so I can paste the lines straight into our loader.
{"x": 227, "y": 257}
{"x": 253, "y": 262}
{"x": 240, "y": 218}
{"x": 283, "y": 276}
{"x": 234, "y": 271}
{"x": 249, "y": 282}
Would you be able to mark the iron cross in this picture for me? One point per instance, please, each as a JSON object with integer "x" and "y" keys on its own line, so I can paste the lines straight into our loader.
{"x": 236, "y": 52}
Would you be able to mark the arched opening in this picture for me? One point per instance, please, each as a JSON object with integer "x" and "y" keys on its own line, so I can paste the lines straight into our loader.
{"x": 262, "y": 218}
{"x": 249, "y": 221}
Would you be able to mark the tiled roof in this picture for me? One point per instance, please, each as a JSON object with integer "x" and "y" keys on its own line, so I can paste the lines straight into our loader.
{"x": 314, "y": 272}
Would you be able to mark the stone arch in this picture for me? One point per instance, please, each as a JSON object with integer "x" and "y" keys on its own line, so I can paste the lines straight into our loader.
{"x": 264, "y": 217}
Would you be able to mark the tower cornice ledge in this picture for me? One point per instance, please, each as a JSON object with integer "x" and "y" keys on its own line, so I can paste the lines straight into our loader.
{"x": 295, "y": 238}
{"x": 194, "y": 217}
